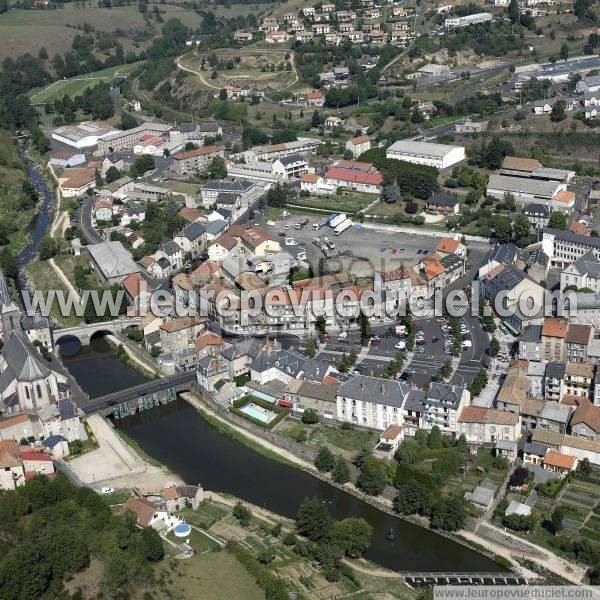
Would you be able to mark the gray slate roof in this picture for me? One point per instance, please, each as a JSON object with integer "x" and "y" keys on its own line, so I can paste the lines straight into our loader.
{"x": 375, "y": 390}
{"x": 444, "y": 394}
{"x": 23, "y": 362}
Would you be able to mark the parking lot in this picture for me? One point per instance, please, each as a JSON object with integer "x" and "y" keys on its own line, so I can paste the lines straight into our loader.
{"x": 359, "y": 252}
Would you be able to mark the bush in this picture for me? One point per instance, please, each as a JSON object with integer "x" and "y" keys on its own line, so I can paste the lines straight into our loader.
{"x": 310, "y": 416}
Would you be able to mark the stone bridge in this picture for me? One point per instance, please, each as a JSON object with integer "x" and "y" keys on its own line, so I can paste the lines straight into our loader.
{"x": 85, "y": 332}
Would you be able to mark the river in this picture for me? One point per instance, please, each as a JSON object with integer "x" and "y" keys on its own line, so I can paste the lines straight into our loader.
{"x": 40, "y": 222}
{"x": 182, "y": 440}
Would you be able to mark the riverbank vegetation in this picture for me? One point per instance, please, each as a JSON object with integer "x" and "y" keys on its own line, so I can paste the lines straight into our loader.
{"x": 18, "y": 201}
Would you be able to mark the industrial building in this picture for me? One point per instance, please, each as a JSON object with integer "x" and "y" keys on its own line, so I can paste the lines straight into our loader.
{"x": 441, "y": 156}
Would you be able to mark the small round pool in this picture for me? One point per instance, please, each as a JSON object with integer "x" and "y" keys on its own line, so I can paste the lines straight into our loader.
{"x": 182, "y": 530}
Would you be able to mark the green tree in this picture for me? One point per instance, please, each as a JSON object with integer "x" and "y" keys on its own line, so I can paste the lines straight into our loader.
{"x": 310, "y": 416}
{"x": 151, "y": 546}
{"x": 494, "y": 347}
{"x": 435, "y": 438}
{"x": 521, "y": 227}
{"x": 316, "y": 120}
{"x": 321, "y": 327}
{"x": 112, "y": 174}
{"x": 564, "y": 52}
{"x": 514, "y": 13}
{"x": 558, "y": 111}
{"x": 461, "y": 443}
{"x": 341, "y": 471}
{"x": 365, "y": 329}
{"x": 556, "y": 519}
{"x": 502, "y": 228}
{"x": 313, "y": 520}
{"x": 217, "y": 169}
{"x": 409, "y": 452}
{"x": 242, "y": 514}
{"x": 325, "y": 460}
{"x": 48, "y": 248}
{"x": 373, "y": 476}
{"x": 558, "y": 220}
{"x": 448, "y": 513}
{"x": 352, "y": 536}
{"x": 413, "y": 498}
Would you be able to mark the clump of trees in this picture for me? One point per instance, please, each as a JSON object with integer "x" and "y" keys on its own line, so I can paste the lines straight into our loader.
{"x": 54, "y": 530}
{"x": 329, "y": 540}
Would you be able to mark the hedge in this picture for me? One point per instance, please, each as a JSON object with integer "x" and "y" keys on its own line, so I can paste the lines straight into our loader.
{"x": 274, "y": 588}
{"x": 281, "y": 411}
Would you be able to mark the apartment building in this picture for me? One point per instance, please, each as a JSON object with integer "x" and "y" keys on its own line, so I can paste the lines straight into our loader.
{"x": 372, "y": 402}
{"x": 443, "y": 404}
{"x": 488, "y": 425}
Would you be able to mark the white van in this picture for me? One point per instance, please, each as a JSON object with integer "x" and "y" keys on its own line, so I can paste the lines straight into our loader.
{"x": 466, "y": 345}
{"x": 290, "y": 242}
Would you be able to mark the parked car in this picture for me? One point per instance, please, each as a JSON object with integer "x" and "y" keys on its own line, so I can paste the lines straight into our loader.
{"x": 107, "y": 490}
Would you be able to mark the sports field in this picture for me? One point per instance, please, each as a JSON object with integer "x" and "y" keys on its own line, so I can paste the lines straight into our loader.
{"x": 76, "y": 85}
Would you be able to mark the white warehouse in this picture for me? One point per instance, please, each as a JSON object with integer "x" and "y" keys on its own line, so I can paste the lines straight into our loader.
{"x": 441, "y": 156}
{"x": 82, "y": 135}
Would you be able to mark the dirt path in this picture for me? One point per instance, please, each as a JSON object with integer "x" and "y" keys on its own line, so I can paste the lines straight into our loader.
{"x": 199, "y": 74}
{"x": 205, "y": 82}
{"x": 64, "y": 279}
{"x": 571, "y": 571}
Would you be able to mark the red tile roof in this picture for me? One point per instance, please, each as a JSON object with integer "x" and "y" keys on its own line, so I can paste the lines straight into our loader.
{"x": 35, "y": 455}
{"x": 353, "y": 176}
{"x": 554, "y": 327}
{"x": 197, "y": 152}
{"x": 557, "y": 459}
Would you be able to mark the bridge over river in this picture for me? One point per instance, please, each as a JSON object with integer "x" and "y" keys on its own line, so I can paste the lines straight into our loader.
{"x": 140, "y": 397}
{"x": 459, "y": 578}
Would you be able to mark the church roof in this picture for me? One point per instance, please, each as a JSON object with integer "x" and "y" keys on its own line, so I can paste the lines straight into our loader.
{"x": 22, "y": 362}
{"x": 6, "y": 302}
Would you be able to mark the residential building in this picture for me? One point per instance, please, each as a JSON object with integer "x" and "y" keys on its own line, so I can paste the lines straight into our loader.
{"x": 291, "y": 166}
{"x": 564, "y": 247}
{"x": 488, "y": 425}
{"x": 371, "y": 402}
{"x": 555, "y": 417}
{"x": 442, "y": 204}
{"x": 501, "y": 254}
{"x": 443, "y": 404}
{"x": 585, "y": 421}
{"x": 530, "y": 343}
{"x": 538, "y": 214}
{"x": 579, "y": 380}
{"x": 358, "y": 145}
{"x": 588, "y": 84}
{"x": 554, "y": 332}
{"x": 358, "y": 180}
{"x": 76, "y": 181}
{"x": 584, "y": 272}
{"x": 319, "y": 397}
{"x": 554, "y": 381}
{"x": 577, "y": 341}
{"x": 191, "y": 161}
{"x": 441, "y": 156}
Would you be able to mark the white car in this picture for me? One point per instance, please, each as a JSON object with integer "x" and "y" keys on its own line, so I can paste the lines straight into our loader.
{"x": 107, "y": 490}
{"x": 287, "y": 227}
{"x": 400, "y": 346}
{"x": 343, "y": 335}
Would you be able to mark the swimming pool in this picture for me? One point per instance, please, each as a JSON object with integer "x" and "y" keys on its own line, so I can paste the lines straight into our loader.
{"x": 182, "y": 530}
{"x": 258, "y": 412}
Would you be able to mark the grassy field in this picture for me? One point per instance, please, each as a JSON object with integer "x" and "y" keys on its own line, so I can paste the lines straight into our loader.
{"x": 264, "y": 69}
{"x": 44, "y": 278}
{"x": 24, "y": 31}
{"x": 77, "y": 85}
{"x": 67, "y": 263}
{"x": 215, "y": 575}
{"x": 205, "y": 516}
{"x": 349, "y": 203}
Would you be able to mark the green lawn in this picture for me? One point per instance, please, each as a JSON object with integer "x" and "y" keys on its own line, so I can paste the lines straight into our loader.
{"x": 214, "y": 575}
{"x": 346, "y": 439}
{"x": 198, "y": 541}
{"x": 44, "y": 278}
{"x": 206, "y": 515}
{"x": 76, "y": 85}
{"x": 348, "y": 203}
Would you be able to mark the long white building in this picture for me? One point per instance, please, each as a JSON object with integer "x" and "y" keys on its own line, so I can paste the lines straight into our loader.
{"x": 441, "y": 156}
